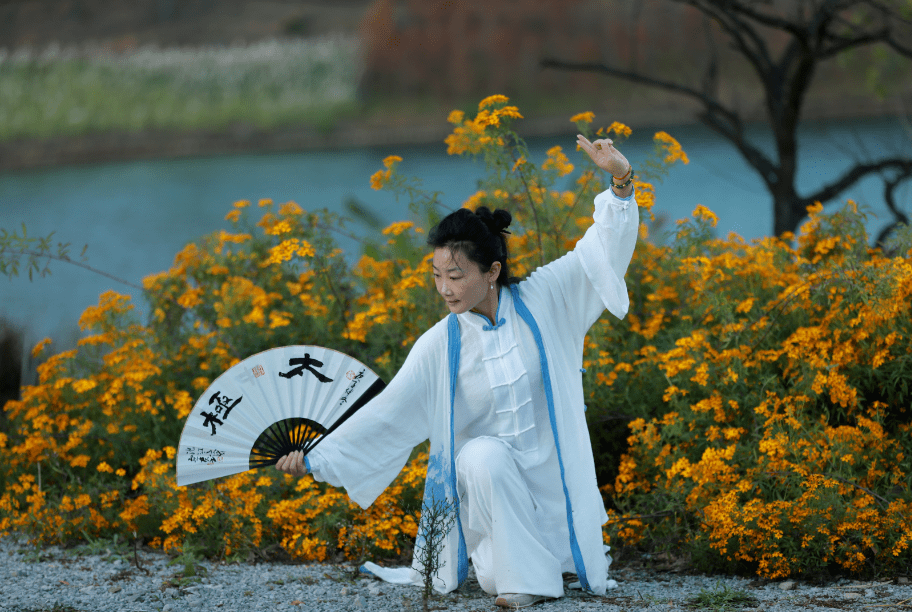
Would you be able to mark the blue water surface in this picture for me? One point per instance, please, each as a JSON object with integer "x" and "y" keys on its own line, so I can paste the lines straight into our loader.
{"x": 134, "y": 216}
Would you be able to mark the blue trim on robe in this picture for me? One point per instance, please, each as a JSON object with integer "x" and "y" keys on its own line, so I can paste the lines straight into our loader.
{"x": 454, "y": 346}
{"x": 497, "y": 318}
{"x": 526, "y": 316}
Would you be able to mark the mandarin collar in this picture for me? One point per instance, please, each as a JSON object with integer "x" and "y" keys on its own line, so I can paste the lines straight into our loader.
{"x": 478, "y": 319}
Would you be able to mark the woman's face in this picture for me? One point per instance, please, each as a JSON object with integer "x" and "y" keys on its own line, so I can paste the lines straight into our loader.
{"x": 459, "y": 280}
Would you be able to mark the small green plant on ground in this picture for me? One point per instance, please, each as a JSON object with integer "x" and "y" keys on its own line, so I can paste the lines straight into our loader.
{"x": 437, "y": 519}
{"x": 192, "y": 572}
{"x": 721, "y": 599}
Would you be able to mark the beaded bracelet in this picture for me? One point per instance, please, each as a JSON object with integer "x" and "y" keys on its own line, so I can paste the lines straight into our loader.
{"x": 626, "y": 174}
{"x": 629, "y": 180}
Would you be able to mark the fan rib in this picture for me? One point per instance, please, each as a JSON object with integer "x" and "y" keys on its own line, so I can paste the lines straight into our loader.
{"x": 365, "y": 397}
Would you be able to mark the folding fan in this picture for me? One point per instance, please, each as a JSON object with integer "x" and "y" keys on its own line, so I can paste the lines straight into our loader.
{"x": 268, "y": 405}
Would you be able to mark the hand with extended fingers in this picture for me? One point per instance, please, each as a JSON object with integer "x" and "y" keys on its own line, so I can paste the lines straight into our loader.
{"x": 611, "y": 160}
{"x": 292, "y": 463}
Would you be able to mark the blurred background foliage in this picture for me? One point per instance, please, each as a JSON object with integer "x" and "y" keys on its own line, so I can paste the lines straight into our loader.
{"x": 82, "y": 66}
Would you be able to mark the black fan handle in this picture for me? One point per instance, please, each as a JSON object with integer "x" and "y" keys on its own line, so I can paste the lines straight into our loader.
{"x": 367, "y": 396}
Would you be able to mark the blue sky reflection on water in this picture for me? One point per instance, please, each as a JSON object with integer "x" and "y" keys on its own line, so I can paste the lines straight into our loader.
{"x": 135, "y": 216}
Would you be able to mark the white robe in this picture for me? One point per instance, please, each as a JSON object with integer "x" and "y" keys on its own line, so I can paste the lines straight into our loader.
{"x": 519, "y": 381}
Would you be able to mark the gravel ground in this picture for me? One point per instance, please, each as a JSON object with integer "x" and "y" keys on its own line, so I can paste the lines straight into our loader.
{"x": 54, "y": 580}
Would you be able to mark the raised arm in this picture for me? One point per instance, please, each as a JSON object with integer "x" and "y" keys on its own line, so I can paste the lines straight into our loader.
{"x": 579, "y": 286}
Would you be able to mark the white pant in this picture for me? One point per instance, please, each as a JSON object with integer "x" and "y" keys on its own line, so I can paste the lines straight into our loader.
{"x": 499, "y": 523}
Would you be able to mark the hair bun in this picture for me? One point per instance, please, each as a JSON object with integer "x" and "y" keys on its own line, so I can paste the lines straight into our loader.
{"x": 496, "y": 222}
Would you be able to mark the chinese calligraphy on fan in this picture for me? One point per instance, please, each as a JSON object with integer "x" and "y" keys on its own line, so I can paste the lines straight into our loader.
{"x": 221, "y": 405}
{"x": 207, "y": 456}
{"x": 355, "y": 378}
{"x": 305, "y": 363}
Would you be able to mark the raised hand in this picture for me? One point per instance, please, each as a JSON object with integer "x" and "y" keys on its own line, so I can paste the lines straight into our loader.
{"x": 605, "y": 156}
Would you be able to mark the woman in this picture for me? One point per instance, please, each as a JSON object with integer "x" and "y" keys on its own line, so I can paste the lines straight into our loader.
{"x": 497, "y": 388}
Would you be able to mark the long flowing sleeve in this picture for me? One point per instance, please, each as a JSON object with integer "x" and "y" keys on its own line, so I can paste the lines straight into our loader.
{"x": 607, "y": 247}
{"x": 579, "y": 286}
{"x": 366, "y": 453}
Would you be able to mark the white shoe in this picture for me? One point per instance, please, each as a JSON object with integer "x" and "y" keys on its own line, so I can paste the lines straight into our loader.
{"x": 515, "y": 601}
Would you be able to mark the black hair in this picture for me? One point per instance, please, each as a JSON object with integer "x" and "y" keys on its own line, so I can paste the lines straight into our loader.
{"x": 479, "y": 236}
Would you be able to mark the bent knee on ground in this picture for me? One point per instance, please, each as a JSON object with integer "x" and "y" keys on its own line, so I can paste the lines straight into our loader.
{"x": 485, "y": 458}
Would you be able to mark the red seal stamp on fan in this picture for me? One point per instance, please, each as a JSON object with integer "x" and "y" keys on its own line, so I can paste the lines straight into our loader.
{"x": 350, "y": 375}
{"x": 258, "y": 371}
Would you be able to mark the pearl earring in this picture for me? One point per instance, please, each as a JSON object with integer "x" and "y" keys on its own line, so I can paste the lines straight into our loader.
{"x": 492, "y": 287}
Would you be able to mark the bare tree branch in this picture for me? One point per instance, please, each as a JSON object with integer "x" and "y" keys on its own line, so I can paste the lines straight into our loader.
{"x": 816, "y": 31}
{"x": 752, "y": 46}
{"x": 855, "y": 174}
{"x": 899, "y": 48}
{"x": 732, "y": 127}
{"x": 899, "y": 217}
{"x": 66, "y": 259}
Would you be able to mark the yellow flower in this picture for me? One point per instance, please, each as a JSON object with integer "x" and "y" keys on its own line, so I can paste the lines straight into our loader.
{"x": 191, "y": 298}
{"x": 491, "y": 100}
{"x": 104, "y": 467}
{"x": 558, "y": 161}
{"x": 282, "y": 227}
{"x": 279, "y": 319}
{"x": 108, "y": 302}
{"x": 703, "y": 213}
{"x": 80, "y": 461}
{"x": 381, "y": 177}
{"x": 242, "y": 204}
{"x": 287, "y": 249}
{"x": 235, "y": 238}
{"x": 39, "y": 348}
{"x": 510, "y": 112}
{"x": 233, "y": 216}
{"x": 397, "y": 228}
{"x": 619, "y": 129}
{"x": 456, "y": 117}
{"x": 672, "y": 148}
{"x": 587, "y": 117}
{"x": 475, "y": 200}
{"x": 746, "y": 305}
{"x": 83, "y": 385}
{"x": 391, "y": 160}
{"x": 291, "y": 209}
{"x": 255, "y": 317}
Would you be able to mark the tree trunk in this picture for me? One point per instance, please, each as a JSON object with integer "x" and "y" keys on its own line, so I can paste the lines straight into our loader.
{"x": 788, "y": 212}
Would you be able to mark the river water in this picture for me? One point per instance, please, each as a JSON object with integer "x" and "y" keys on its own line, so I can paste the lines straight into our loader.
{"x": 134, "y": 216}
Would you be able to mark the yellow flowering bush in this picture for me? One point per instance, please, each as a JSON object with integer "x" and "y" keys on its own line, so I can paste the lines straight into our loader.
{"x": 764, "y": 388}
{"x": 750, "y": 412}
